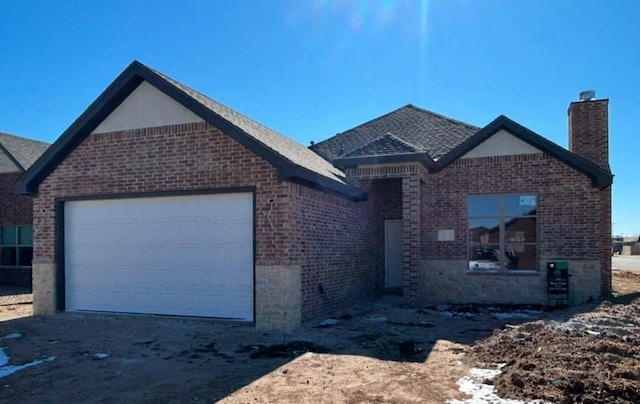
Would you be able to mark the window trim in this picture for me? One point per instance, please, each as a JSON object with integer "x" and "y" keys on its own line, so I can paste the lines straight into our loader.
{"x": 502, "y": 243}
{"x": 17, "y": 246}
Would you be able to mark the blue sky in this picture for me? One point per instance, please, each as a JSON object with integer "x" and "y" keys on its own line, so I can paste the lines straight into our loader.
{"x": 310, "y": 69}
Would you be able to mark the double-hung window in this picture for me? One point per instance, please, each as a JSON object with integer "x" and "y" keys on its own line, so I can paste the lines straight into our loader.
{"x": 16, "y": 246}
{"x": 503, "y": 233}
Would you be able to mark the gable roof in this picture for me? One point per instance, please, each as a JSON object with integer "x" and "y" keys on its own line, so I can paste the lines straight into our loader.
{"x": 411, "y": 134}
{"x": 384, "y": 145}
{"x": 22, "y": 151}
{"x": 422, "y": 130}
{"x": 599, "y": 177}
{"x": 291, "y": 159}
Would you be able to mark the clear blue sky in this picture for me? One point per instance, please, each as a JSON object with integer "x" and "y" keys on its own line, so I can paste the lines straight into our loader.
{"x": 312, "y": 68}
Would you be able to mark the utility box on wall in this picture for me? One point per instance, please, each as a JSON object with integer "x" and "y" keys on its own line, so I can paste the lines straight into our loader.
{"x": 558, "y": 278}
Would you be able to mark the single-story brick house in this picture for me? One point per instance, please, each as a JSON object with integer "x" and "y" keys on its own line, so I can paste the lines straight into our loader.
{"x": 17, "y": 154}
{"x": 158, "y": 199}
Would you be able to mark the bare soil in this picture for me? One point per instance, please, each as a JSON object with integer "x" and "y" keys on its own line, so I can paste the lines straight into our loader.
{"x": 592, "y": 357}
{"x": 381, "y": 352}
{"x": 375, "y": 353}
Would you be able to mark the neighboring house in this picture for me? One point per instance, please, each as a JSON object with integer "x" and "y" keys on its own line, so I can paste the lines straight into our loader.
{"x": 161, "y": 200}
{"x": 17, "y": 154}
{"x": 630, "y": 246}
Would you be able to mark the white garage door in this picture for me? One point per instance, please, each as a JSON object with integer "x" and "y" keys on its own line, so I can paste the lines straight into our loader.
{"x": 180, "y": 255}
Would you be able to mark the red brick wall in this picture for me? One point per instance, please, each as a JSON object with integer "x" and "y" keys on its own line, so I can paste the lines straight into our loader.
{"x": 326, "y": 235}
{"x": 570, "y": 223}
{"x": 589, "y": 131}
{"x": 170, "y": 158}
{"x": 386, "y": 194}
{"x": 16, "y": 210}
{"x": 334, "y": 245}
{"x": 605, "y": 238}
{"x": 589, "y": 138}
{"x": 339, "y": 244}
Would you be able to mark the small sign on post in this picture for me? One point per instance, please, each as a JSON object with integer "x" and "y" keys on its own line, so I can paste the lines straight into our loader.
{"x": 558, "y": 278}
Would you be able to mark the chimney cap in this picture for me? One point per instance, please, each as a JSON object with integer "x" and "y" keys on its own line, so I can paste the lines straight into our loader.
{"x": 587, "y": 95}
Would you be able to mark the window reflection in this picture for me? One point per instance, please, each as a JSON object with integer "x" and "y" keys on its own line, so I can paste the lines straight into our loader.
{"x": 502, "y": 232}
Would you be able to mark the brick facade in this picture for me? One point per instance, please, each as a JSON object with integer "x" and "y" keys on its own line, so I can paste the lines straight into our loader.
{"x": 437, "y": 271}
{"x": 589, "y": 138}
{"x": 568, "y": 229}
{"x": 317, "y": 252}
{"x": 410, "y": 185}
{"x": 305, "y": 239}
{"x": 16, "y": 211}
{"x": 589, "y": 131}
{"x": 332, "y": 243}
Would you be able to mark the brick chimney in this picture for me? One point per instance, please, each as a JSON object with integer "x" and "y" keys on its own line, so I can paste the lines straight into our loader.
{"x": 589, "y": 129}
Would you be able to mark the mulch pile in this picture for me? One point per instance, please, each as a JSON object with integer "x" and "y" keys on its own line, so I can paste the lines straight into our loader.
{"x": 590, "y": 358}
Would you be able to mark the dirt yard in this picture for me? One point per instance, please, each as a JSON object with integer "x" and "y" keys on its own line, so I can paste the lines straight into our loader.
{"x": 591, "y": 357}
{"x": 376, "y": 353}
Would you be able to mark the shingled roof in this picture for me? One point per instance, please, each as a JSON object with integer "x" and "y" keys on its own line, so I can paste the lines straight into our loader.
{"x": 418, "y": 129}
{"x": 278, "y": 143}
{"x": 291, "y": 159}
{"x": 24, "y": 152}
{"x": 384, "y": 145}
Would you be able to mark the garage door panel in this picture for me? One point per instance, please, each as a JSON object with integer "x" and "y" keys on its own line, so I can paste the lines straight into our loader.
{"x": 99, "y": 277}
{"x": 166, "y": 303}
{"x": 179, "y": 209}
{"x": 169, "y": 233}
{"x": 149, "y": 257}
{"x": 186, "y": 255}
{"x": 163, "y": 282}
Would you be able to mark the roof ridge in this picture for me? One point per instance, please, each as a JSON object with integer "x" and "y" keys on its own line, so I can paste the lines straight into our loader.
{"x": 601, "y": 176}
{"x": 364, "y": 146}
{"x": 404, "y": 142}
{"x": 231, "y": 110}
{"x": 444, "y": 117}
{"x": 387, "y": 135}
{"x": 291, "y": 159}
{"x": 22, "y": 151}
{"x": 371, "y": 120}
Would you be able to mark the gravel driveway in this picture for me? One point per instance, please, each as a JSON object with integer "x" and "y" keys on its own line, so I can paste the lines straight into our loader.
{"x": 15, "y": 302}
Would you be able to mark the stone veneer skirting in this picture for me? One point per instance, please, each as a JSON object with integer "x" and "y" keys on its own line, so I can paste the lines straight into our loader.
{"x": 278, "y": 297}
{"x": 449, "y": 282}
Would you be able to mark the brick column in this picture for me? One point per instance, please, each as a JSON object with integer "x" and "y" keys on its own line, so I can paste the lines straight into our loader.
{"x": 411, "y": 240}
{"x": 605, "y": 241}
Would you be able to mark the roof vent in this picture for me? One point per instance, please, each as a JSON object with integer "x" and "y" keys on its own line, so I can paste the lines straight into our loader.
{"x": 587, "y": 95}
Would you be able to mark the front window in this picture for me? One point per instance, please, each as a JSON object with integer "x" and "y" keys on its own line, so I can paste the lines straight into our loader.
{"x": 16, "y": 246}
{"x": 503, "y": 232}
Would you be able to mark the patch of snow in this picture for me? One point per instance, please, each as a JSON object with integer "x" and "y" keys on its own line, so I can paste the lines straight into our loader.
{"x": 484, "y": 373}
{"x": 376, "y": 319}
{"x": 101, "y": 356}
{"x": 6, "y": 370}
{"x": 12, "y": 335}
{"x": 481, "y": 393}
{"x": 4, "y": 359}
{"x": 452, "y": 314}
{"x": 516, "y": 314}
{"x": 328, "y": 322}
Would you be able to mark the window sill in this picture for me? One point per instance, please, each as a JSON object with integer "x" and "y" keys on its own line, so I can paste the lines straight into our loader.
{"x": 491, "y": 272}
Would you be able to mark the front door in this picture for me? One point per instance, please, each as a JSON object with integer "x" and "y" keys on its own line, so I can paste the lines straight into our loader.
{"x": 393, "y": 260}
